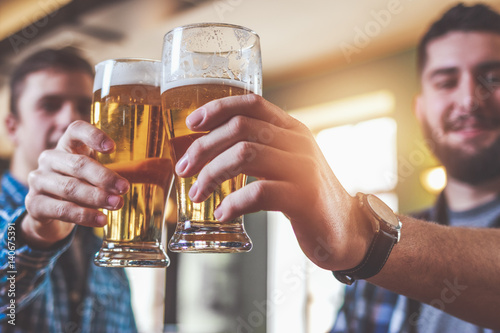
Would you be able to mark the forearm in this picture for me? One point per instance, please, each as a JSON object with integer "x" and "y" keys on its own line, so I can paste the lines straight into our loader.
{"x": 453, "y": 269}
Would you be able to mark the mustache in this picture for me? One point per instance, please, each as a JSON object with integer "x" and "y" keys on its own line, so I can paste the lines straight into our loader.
{"x": 479, "y": 121}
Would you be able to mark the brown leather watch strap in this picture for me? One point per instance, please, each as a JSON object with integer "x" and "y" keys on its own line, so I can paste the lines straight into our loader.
{"x": 372, "y": 263}
{"x": 385, "y": 236}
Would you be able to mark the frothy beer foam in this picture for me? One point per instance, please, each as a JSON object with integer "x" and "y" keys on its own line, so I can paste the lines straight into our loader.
{"x": 187, "y": 82}
{"x": 126, "y": 71}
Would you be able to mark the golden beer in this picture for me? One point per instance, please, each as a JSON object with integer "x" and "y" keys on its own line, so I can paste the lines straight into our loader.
{"x": 196, "y": 218}
{"x": 131, "y": 115}
{"x": 201, "y": 63}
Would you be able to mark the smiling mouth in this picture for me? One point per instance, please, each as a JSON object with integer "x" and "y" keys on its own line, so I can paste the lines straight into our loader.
{"x": 472, "y": 124}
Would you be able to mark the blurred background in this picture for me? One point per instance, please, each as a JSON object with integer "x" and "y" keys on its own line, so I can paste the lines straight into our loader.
{"x": 347, "y": 69}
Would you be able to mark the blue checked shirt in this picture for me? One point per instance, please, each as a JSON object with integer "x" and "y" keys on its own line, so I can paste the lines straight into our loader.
{"x": 371, "y": 309}
{"x": 56, "y": 290}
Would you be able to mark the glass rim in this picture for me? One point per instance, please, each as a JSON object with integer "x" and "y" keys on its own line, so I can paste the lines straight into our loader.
{"x": 211, "y": 24}
{"x": 131, "y": 59}
{"x": 137, "y": 68}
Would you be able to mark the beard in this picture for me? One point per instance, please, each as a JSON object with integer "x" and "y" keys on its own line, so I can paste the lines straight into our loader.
{"x": 471, "y": 167}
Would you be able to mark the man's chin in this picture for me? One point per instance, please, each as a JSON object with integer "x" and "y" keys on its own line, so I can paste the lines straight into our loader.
{"x": 469, "y": 167}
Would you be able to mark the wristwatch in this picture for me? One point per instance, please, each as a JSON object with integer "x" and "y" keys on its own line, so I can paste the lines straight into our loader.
{"x": 387, "y": 230}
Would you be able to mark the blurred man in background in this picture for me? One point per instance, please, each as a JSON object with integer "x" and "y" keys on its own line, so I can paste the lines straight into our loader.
{"x": 48, "y": 281}
{"x": 459, "y": 111}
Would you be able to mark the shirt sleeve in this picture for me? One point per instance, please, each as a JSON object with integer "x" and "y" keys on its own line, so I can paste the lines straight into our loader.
{"x": 366, "y": 309}
{"x": 343, "y": 314}
{"x": 23, "y": 270}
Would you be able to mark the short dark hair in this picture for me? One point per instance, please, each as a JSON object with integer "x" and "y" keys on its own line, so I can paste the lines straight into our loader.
{"x": 65, "y": 60}
{"x": 478, "y": 17}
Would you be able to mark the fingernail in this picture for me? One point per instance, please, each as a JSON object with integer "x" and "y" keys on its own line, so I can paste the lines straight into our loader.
{"x": 182, "y": 164}
{"x": 114, "y": 200}
{"x": 195, "y": 118}
{"x": 193, "y": 191}
{"x": 108, "y": 145}
{"x": 121, "y": 185}
{"x": 218, "y": 213}
{"x": 101, "y": 220}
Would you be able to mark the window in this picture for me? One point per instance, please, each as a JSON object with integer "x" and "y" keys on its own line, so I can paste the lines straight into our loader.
{"x": 358, "y": 138}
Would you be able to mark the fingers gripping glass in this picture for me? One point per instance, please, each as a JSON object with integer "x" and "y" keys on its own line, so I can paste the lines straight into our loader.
{"x": 127, "y": 107}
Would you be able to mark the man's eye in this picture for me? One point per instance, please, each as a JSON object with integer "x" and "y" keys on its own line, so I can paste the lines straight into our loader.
{"x": 492, "y": 79}
{"x": 50, "y": 106}
{"x": 445, "y": 84}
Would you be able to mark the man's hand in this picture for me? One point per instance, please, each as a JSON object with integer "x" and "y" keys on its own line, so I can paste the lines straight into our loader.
{"x": 69, "y": 186}
{"x": 252, "y": 136}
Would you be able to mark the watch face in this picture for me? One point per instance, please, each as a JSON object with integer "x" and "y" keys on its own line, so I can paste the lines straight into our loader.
{"x": 382, "y": 210}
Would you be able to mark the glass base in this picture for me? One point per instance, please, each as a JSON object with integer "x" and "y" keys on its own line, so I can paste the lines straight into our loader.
{"x": 116, "y": 254}
{"x": 214, "y": 238}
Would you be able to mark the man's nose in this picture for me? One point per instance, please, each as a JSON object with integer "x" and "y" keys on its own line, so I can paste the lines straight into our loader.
{"x": 472, "y": 95}
{"x": 69, "y": 112}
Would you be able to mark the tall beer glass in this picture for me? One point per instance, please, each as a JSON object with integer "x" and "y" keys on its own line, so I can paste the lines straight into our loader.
{"x": 127, "y": 106}
{"x": 203, "y": 62}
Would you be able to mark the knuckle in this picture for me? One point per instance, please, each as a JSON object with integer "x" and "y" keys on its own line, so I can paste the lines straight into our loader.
{"x": 93, "y": 135}
{"x": 61, "y": 210}
{"x": 309, "y": 163}
{"x": 105, "y": 176}
{"x": 81, "y": 216}
{"x": 301, "y": 127}
{"x": 30, "y": 202}
{"x": 259, "y": 191}
{"x": 44, "y": 157}
{"x": 308, "y": 143}
{"x": 99, "y": 198}
{"x": 243, "y": 150}
{"x": 78, "y": 162}
{"x": 238, "y": 124}
{"x": 254, "y": 100}
{"x": 33, "y": 178}
{"x": 196, "y": 148}
{"x": 207, "y": 177}
{"x": 70, "y": 212}
{"x": 215, "y": 104}
{"x": 75, "y": 125}
{"x": 70, "y": 187}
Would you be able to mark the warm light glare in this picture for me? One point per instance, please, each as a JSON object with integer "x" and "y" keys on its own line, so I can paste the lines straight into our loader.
{"x": 19, "y": 14}
{"x": 348, "y": 110}
{"x": 362, "y": 156}
{"x": 434, "y": 179}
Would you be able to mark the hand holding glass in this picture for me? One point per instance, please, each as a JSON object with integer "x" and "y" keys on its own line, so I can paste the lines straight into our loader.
{"x": 127, "y": 107}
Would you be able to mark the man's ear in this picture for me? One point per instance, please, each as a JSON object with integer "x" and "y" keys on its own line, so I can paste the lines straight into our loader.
{"x": 11, "y": 124}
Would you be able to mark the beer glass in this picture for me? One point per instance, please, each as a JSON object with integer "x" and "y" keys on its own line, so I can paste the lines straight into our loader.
{"x": 127, "y": 106}
{"x": 203, "y": 62}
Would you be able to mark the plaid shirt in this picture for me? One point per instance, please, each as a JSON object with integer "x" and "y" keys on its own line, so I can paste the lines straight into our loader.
{"x": 371, "y": 309}
{"x": 46, "y": 291}
{"x": 368, "y": 308}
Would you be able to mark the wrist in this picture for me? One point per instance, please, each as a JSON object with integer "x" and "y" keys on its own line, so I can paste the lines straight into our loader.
{"x": 42, "y": 236}
{"x": 363, "y": 233}
{"x": 385, "y": 227}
